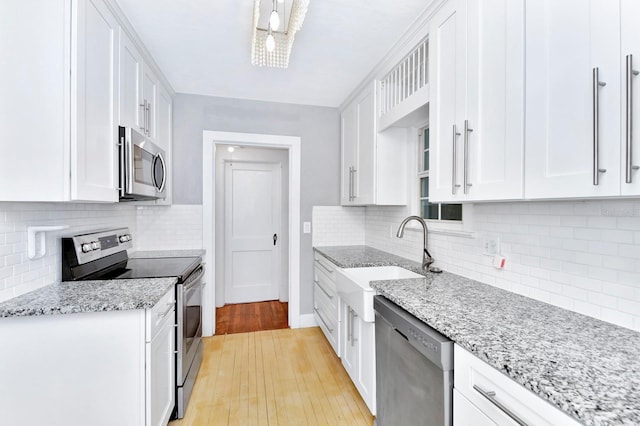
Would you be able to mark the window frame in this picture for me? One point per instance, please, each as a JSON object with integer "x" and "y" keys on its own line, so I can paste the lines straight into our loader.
{"x": 423, "y": 172}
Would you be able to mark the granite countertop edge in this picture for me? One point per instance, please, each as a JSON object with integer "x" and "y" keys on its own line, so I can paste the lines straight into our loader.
{"x": 62, "y": 298}
{"x": 341, "y": 257}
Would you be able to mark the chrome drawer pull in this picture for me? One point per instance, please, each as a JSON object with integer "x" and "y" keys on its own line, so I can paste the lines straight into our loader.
{"x": 629, "y": 116}
{"x": 596, "y": 126}
{"x": 324, "y": 267}
{"x": 323, "y": 290}
{"x": 490, "y": 395}
{"x": 171, "y": 305}
{"x": 323, "y": 321}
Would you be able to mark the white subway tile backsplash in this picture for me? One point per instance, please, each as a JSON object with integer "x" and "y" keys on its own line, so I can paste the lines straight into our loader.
{"x": 337, "y": 226}
{"x": 580, "y": 255}
{"x": 154, "y": 228}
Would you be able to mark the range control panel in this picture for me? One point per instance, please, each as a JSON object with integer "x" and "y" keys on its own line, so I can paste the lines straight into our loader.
{"x": 96, "y": 245}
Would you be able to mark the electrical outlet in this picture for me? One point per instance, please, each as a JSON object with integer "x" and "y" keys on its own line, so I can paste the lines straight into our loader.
{"x": 306, "y": 227}
{"x": 491, "y": 245}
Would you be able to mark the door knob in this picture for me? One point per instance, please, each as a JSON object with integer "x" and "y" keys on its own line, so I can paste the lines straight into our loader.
{"x": 275, "y": 238}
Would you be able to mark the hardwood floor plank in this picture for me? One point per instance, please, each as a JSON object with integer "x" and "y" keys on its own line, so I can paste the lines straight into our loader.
{"x": 275, "y": 378}
{"x": 248, "y": 317}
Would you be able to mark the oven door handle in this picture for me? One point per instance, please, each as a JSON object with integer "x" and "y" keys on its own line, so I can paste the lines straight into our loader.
{"x": 197, "y": 274}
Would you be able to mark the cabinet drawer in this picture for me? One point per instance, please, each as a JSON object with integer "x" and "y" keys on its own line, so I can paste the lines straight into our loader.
{"x": 325, "y": 265}
{"x": 501, "y": 398}
{"x": 329, "y": 328}
{"x": 467, "y": 414}
{"x": 156, "y": 314}
{"x": 326, "y": 290}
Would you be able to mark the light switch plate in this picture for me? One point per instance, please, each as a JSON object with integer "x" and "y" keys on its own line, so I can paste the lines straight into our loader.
{"x": 491, "y": 245}
{"x": 306, "y": 227}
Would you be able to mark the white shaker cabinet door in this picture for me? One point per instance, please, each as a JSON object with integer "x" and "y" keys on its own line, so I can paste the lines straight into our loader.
{"x": 131, "y": 111}
{"x": 150, "y": 101}
{"x": 494, "y": 140}
{"x": 630, "y": 64}
{"x": 569, "y": 142}
{"x": 94, "y": 153}
{"x": 349, "y": 136}
{"x": 447, "y": 80}
{"x": 365, "y": 174}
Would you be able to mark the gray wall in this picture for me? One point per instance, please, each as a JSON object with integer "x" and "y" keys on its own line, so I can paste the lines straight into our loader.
{"x": 318, "y": 128}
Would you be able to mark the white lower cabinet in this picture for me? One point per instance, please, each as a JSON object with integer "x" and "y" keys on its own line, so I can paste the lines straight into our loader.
{"x": 481, "y": 389}
{"x": 467, "y": 414}
{"x": 357, "y": 340}
{"x": 325, "y": 301}
{"x": 90, "y": 368}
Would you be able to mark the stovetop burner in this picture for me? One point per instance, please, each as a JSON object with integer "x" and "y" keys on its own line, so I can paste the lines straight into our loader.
{"x": 103, "y": 255}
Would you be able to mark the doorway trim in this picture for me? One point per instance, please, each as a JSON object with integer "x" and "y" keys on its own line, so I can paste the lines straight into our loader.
{"x": 210, "y": 141}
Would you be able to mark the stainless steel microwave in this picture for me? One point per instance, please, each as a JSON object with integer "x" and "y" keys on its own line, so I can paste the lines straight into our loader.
{"x": 143, "y": 169}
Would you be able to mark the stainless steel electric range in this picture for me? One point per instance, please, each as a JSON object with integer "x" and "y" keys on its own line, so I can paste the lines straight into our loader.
{"x": 103, "y": 255}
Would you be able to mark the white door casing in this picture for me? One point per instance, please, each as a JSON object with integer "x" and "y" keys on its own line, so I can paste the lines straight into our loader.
{"x": 252, "y": 218}
{"x": 210, "y": 141}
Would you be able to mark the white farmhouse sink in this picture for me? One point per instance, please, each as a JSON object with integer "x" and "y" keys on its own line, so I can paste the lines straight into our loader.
{"x": 353, "y": 286}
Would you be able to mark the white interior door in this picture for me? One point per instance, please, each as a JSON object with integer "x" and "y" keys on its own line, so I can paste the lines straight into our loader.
{"x": 252, "y": 232}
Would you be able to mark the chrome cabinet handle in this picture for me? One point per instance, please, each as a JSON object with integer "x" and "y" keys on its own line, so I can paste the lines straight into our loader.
{"x": 629, "y": 124}
{"x": 465, "y": 171}
{"x": 454, "y": 184}
{"x": 596, "y": 126}
{"x": 164, "y": 314}
{"x": 324, "y": 267}
{"x": 352, "y": 315}
{"x": 490, "y": 395}
{"x": 350, "y": 185}
{"x": 143, "y": 126}
{"x": 148, "y": 118}
{"x": 322, "y": 319}
{"x": 355, "y": 194}
{"x": 330, "y": 296}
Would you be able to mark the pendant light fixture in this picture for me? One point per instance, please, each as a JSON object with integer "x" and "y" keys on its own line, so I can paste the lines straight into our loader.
{"x": 274, "y": 31}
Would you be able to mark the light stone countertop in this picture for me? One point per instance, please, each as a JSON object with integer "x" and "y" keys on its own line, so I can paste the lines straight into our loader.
{"x": 588, "y": 368}
{"x": 88, "y": 296}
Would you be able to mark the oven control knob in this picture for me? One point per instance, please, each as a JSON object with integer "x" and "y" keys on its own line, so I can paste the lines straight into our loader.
{"x": 123, "y": 238}
{"x": 95, "y": 245}
{"x": 86, "y": 247}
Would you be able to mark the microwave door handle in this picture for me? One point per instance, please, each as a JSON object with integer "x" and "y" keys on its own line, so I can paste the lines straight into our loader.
{"x": 128, "y": 160}
{"x": 121, "y": 151}
{"x": 164, "y": 173}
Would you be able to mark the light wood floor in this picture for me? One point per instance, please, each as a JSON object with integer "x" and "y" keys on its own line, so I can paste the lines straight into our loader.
{"x": 276, "y": 377}
{"x": 245, "y": 317}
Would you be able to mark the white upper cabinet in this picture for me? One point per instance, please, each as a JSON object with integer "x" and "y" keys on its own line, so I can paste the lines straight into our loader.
{"x": 447, "y": 79}
{"x": 150, "y": 102}
{"x": 573, "y": 98}
{"x": 495, "y": 100}
{"x": 477, "y": 100}
{"x": 630, "y": 65}
{"x": 373, "y": 164}
{"x": 130, "y": 90}
{"x": 58, "y": 107}
{"x": 94, "y": 131}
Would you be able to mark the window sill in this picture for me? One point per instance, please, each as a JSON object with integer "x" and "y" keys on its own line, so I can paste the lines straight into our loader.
{"x": 441, "y": 228}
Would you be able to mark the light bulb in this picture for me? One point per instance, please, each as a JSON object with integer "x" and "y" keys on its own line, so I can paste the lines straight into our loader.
{"x": 231, "y": 149}
{"x": 274, "y": 20}
{"x": 270, "y": 43}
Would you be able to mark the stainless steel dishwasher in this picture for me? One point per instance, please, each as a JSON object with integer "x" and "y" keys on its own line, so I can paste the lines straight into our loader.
{"x": 414, "y": 370}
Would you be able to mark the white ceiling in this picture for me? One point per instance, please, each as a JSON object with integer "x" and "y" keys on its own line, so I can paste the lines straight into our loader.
{"x": 204, "y": 46}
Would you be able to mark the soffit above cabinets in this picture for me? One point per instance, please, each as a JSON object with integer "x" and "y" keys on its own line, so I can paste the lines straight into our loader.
{"x": 204, "y": 47}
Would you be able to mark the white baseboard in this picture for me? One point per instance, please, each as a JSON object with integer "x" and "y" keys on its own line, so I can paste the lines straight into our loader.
{"x": 307, "y": 320}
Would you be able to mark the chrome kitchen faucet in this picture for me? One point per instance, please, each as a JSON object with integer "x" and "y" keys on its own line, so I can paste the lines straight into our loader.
{"x": 427, "y": 260}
